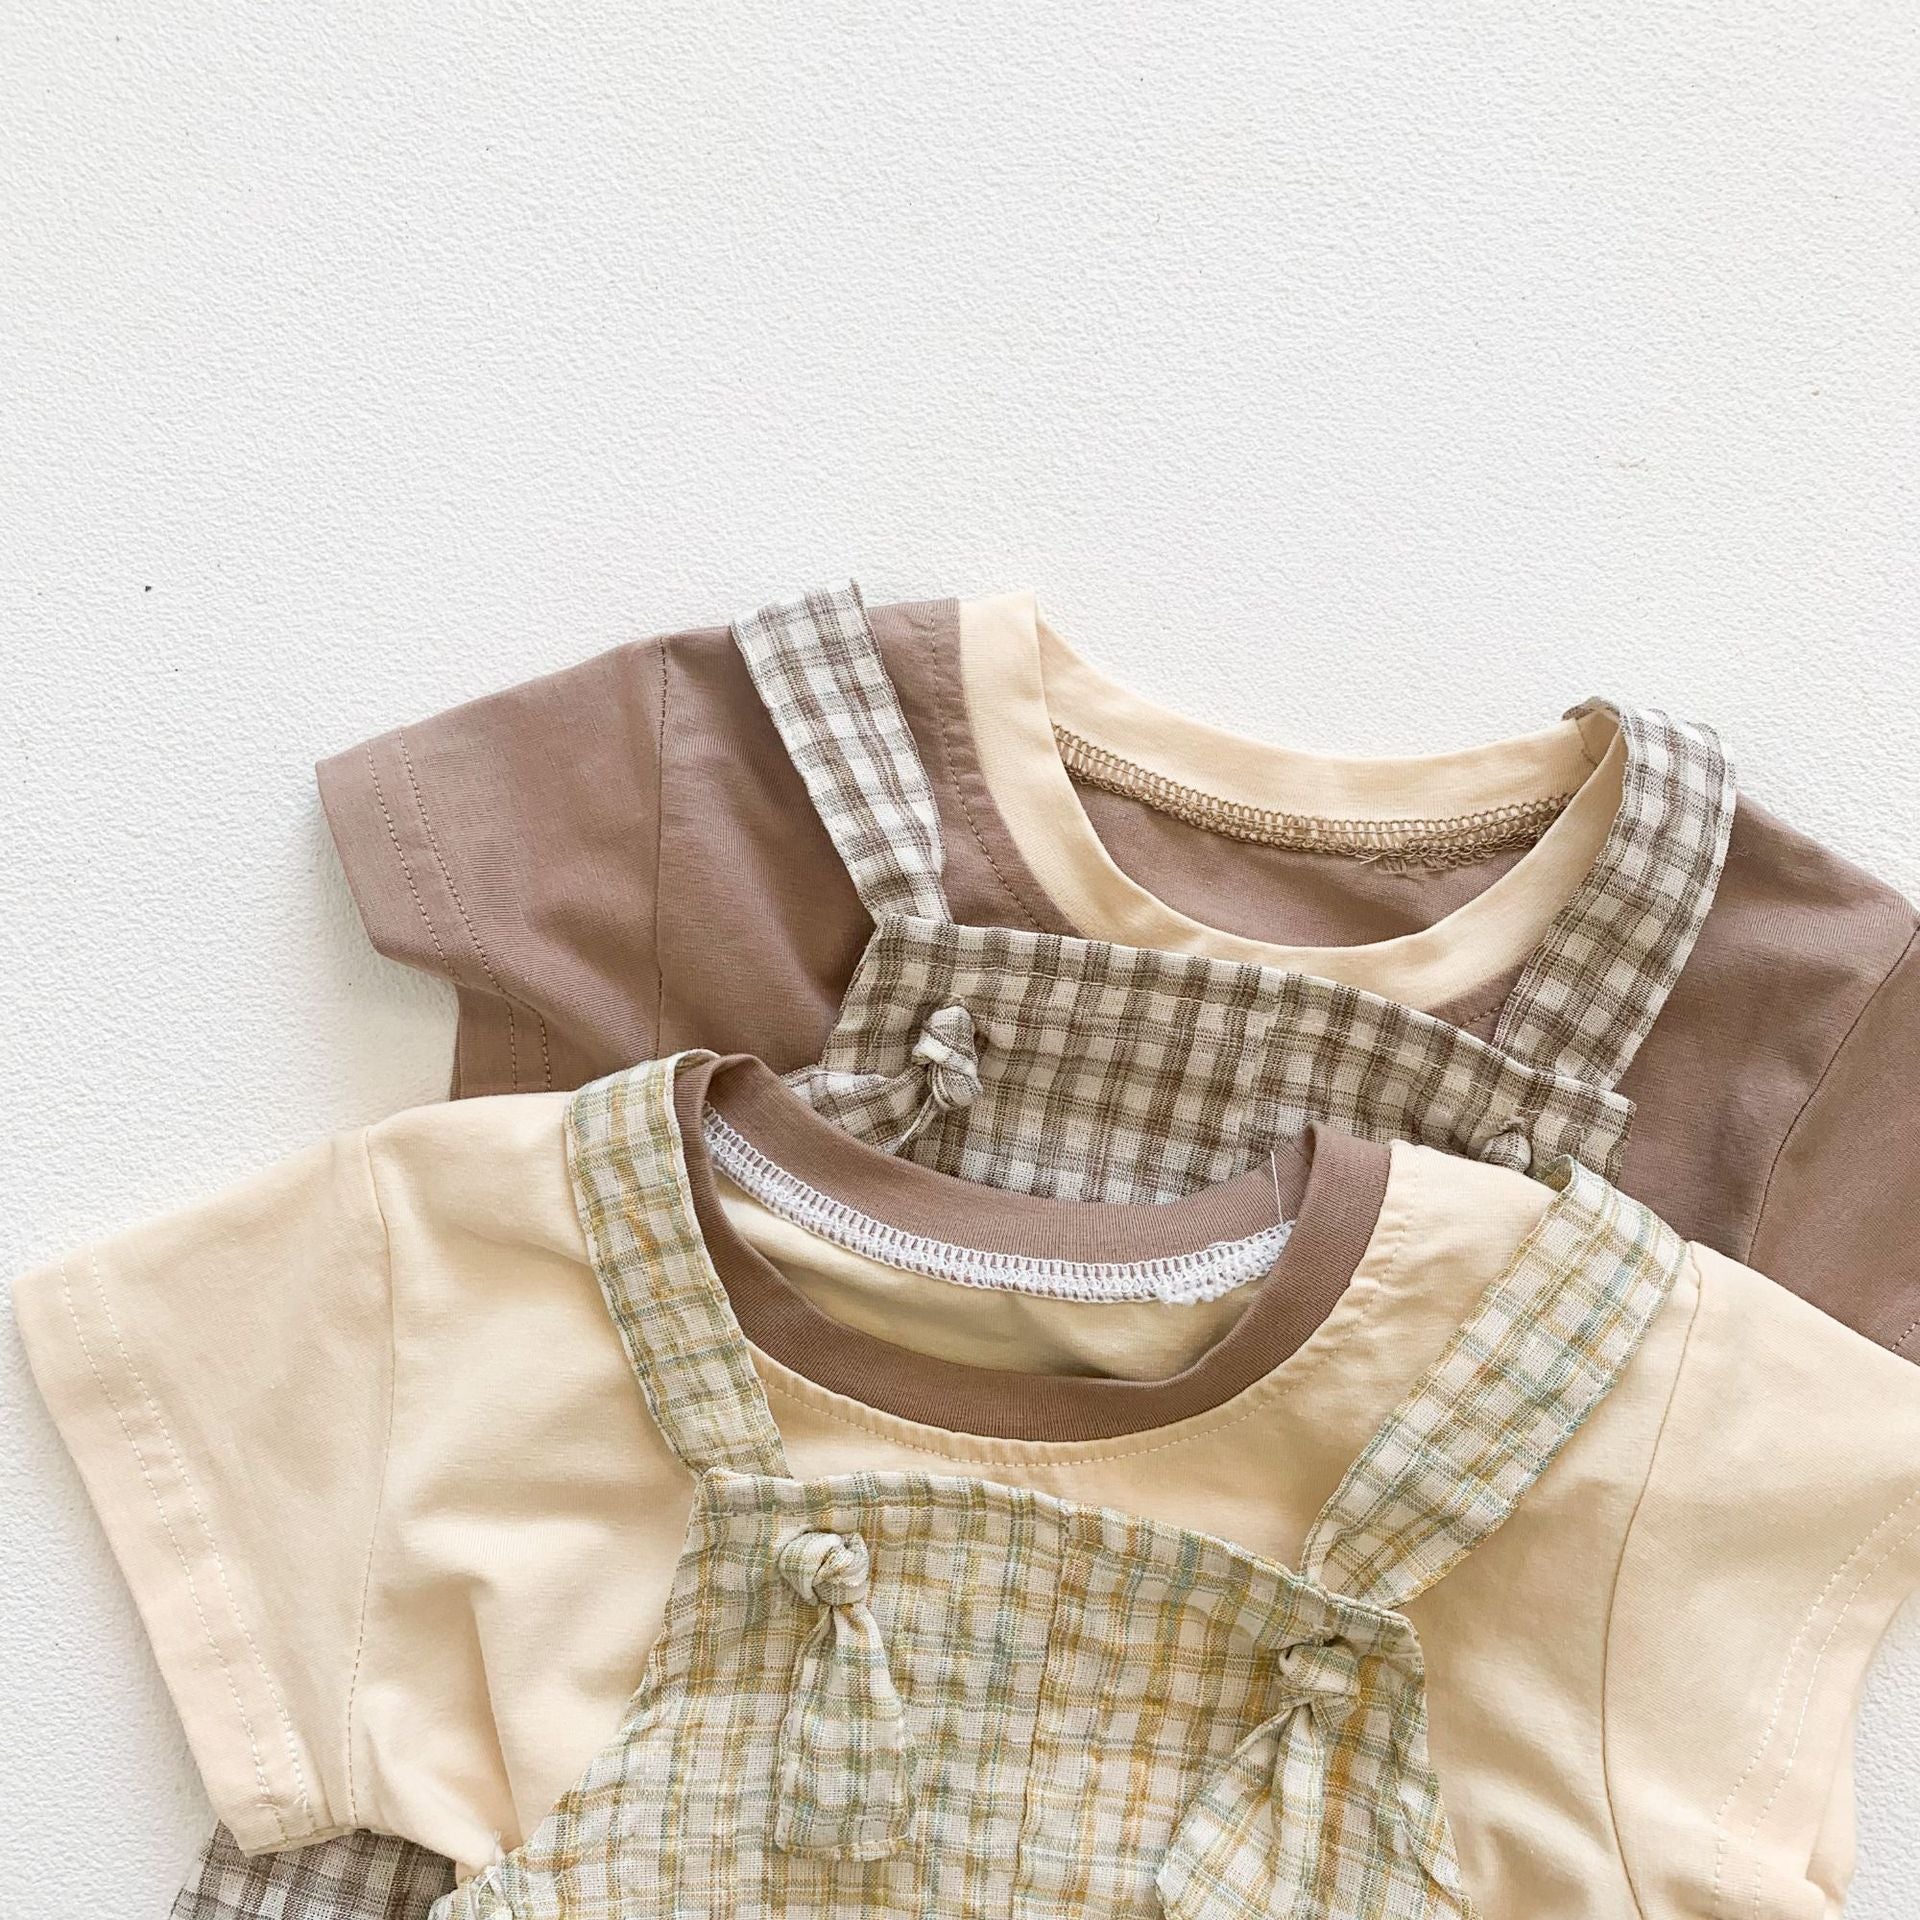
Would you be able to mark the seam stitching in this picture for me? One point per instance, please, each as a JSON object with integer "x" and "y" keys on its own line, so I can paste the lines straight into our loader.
{"x": 1619, "y": 1575}
{"x": 1420, "y": 841}
{"x": 267, "y": 1801}
{"x": 1468, "y": 1015}
{"x": 1200, "y": 1274}
{"x": 1866, "y": 1579}
{"x": 1813, "y": 1093}
{"x": 386, "y": 1466}
{"x": 406, "y": 868}
{"x": 1393, "y": 1240}
{"x": 1786, "y": 1671}
{"x": 460, "y": 907}
{"x": 179, "y": 1553}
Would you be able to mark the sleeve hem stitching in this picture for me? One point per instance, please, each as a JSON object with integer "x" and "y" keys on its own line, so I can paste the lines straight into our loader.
{"x": 266, "y": 1799}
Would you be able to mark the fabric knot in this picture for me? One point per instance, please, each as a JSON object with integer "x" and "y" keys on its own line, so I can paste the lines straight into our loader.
{"x": 845, "y": 1755}
{"x": 947, "y": 1053}
{"x": 1266, "y": 1832}
{"x": 826, "y": 1569}
{"x": 1510, "y": 1147}
{"x": 950, "y": 1053}
{"x": 487, "y": 1900}
{"x": 1322, "y": 1675}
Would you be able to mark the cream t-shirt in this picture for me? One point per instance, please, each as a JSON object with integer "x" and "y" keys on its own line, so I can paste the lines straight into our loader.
{"x": 369, "y": 1451}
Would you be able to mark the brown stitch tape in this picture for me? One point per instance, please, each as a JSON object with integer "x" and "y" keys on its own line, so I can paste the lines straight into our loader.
{"x": 1433, "y": 843}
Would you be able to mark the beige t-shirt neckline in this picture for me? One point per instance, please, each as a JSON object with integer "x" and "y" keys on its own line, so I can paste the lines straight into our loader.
{"x": 1022, "y": 681}
{"x": 1332, "y": 1189}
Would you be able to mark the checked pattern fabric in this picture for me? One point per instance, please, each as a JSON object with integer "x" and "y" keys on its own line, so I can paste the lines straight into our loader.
{"x": 1102, "y": 1072}
{"x": 908, "y": 1694}
{"x": 827, "y": 691}
{"x": 1086, "y": 1070}
{"x": 370, "y": 1876}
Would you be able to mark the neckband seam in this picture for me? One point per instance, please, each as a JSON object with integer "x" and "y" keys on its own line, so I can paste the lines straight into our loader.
{"x": 1107, "y": 770}
{"x": 1323, "y": 1346}
{"x": 1191, "y": 1276}
{"x": 1079, "y": 695}
{"x": 1316, "y": 1268}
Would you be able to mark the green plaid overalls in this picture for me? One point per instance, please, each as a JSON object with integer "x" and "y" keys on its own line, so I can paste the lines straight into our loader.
{"x": 909, "y": 1694}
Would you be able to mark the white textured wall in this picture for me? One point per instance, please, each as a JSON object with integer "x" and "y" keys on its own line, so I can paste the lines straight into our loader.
{"x": 1370, "y": 374}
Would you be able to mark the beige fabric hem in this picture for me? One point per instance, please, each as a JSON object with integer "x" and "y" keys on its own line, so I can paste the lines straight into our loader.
{"x": 257, "y": 1772}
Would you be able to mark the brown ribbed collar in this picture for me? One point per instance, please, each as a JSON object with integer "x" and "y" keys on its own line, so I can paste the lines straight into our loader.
{"x": 1332, "y": 1185}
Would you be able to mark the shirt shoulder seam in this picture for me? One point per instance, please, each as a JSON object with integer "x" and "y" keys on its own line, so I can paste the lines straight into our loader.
{"x": 654, "y": 1040}
{"x": 1813, "y": 1092}
{"x": 1619, "y": 1574}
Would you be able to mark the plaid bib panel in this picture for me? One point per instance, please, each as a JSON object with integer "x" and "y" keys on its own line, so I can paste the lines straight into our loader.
{"x": 1069, "y": 1683}
{"x": 1087, "y": 1071}
{"x": 353, "y": 1876}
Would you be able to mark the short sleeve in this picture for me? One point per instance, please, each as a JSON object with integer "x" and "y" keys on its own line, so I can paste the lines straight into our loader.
{"x": 510, "y": 846}
{"x": 1776, "y": 1536}
{"x": 1840, "y": 1222}
{"x": 222, "y": 1378}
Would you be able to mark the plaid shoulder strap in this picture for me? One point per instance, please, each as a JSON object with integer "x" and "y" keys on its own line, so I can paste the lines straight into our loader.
{"x": 673, "y": 1316}
{"x": 1597, "y": 981}
{"x": 818, "y": 670}
{"x": 1540, "y": 1351}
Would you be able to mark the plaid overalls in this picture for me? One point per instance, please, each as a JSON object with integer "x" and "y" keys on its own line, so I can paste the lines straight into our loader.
{"x": 906, "y": 1694}
{"x": 1084, "y": 1070}
{"x": 1088, "y": 1071}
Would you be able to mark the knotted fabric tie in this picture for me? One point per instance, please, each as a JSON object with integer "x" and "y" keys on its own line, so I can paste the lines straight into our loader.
{"x": 845, "y": 1759}
{"x": 947, "y": 1053}
{"x": 1254, "y": 1839}
{"x": 1509, "y": 1147}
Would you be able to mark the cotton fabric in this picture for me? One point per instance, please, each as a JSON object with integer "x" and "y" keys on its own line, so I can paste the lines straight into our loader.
{"x": 1424, "y": 1076}
{"x": 621, "y": 859}
{"x": 400, "y": 1577}
{"x": 364, "y": 1874}
{"x": 1089, "y": 1711}
{"x": 1097, "y": 1071}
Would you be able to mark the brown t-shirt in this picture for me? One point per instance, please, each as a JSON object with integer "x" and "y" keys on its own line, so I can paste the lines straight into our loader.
{"x": 620, "y": 859}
